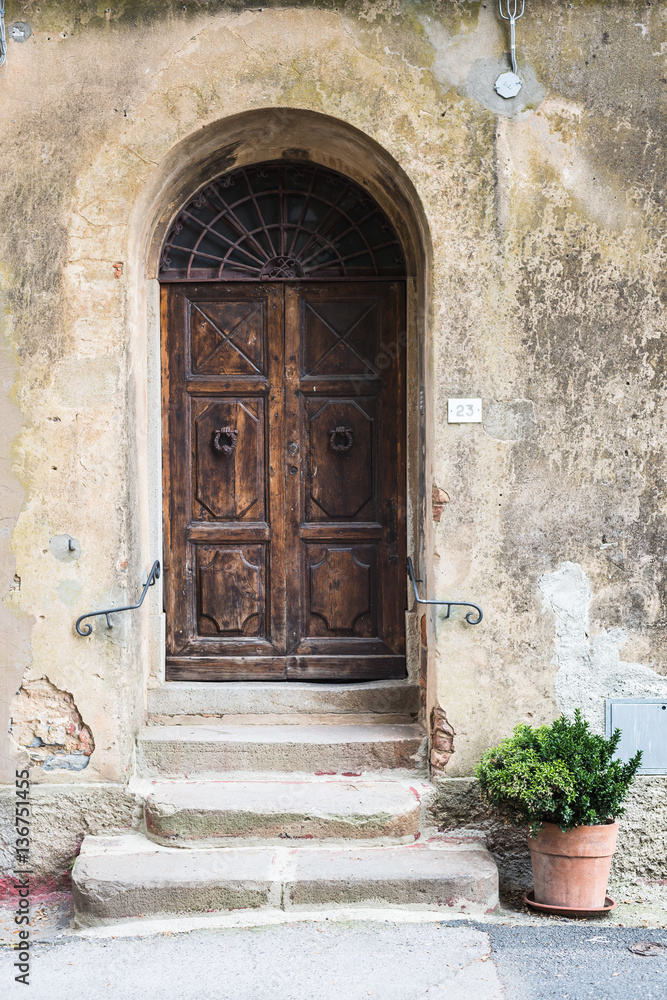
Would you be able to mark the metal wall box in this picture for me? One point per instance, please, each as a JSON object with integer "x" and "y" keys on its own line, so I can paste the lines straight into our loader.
{"x": 643, "y": 724}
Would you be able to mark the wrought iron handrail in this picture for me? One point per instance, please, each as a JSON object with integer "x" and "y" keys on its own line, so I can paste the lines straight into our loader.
{"x": 470, "y": 618}
{"x": 88, "y": 628}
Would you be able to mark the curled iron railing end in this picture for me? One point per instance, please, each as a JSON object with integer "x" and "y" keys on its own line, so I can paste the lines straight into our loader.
{"x": 473, "y": 617}
{"x": 87, "y": 629}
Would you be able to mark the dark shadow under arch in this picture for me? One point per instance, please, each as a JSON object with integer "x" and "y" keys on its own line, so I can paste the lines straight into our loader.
{"x": 284, "y": 220}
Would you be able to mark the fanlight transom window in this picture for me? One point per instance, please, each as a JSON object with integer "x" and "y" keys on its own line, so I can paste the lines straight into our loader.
{"x": 281, "y": 221}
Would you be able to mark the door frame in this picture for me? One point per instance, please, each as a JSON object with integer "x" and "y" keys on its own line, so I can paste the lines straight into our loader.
{"x": 247, "y": 138}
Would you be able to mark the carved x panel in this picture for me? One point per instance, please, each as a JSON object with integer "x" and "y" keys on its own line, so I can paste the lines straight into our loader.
{"x": 340, "y": 338}
{"x": 226, "y": 338}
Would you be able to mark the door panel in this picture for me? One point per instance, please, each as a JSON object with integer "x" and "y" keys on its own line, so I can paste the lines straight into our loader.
{"x": 340, "y": 475}
{"x": 340, "y": 590}
{"x": 339, "y": 338}
{"x": 224, "y": 541}
{"x": 344, "y": 393}
{"x": 227, "y": 338}
{"x": 231, "y": 584}
{"x": 228, "y": 464}
{"x": 284, "y": 480}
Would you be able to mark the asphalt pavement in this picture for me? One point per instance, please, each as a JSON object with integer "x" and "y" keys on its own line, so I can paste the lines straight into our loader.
{"x": 577, "y": 961}
{"x": 346, "y": 960}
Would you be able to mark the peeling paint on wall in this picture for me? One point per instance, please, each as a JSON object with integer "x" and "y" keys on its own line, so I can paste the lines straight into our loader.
{"x": 590, "y": 667}
{"x": 438, "y": 501}
{"x": 46, "y": 722}
{"x": 473, "y": 60}
{"x": 513, "y": 420}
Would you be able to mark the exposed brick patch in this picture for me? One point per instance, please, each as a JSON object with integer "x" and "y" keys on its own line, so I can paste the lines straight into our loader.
{"x": 442, "y": 746}
{"x": 438, "y": 499}
{"x": 46, "y": 722}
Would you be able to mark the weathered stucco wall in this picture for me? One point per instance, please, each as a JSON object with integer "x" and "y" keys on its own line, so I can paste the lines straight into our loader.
{"x": 544, "y": 238}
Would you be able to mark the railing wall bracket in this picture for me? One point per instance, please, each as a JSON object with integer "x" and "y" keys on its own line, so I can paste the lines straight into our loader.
{"x": 88, "y": 628}
{"x": 471, "y": 618}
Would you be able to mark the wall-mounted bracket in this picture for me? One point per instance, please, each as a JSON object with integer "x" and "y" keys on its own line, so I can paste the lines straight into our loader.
{"x": 3, "y": 40}
{"x": 471, "y": 618}
{"x": 509, "y": 84}
{"x": 88, "y": 628}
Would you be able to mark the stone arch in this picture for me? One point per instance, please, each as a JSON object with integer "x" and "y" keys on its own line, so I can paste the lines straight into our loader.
{"x": 270, "y": 134}
{"x": 286, "y": 133}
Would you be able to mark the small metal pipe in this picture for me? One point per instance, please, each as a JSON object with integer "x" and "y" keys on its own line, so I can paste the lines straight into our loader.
{"x": 470, "y": 617}
{"x": 88, "y": 628}
{"x": 3, "y": 40}
{"x": 509, "y": 13}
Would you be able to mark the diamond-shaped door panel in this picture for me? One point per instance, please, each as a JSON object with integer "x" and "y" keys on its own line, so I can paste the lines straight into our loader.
{"x": 227, "y": 338}
{"x": 228, "y": 473}
{"x": 230, "y": 589}
{"x": 341, "y": 468}
{"x": 340, "y": 338}
{"x": 340, "y": 586}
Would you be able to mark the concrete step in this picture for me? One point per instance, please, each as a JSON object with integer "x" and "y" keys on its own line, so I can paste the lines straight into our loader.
{"x": 211, "y": 813}
{"x": 211, "y": 750}
{"x": 117, "y": 878}
{"x": 263, "y": 702}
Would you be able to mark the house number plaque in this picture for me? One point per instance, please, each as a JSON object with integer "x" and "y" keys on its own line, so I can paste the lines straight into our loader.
{"x": 464, "y": 411}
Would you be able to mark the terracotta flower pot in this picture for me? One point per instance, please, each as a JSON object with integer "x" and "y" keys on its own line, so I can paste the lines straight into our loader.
{"x": 572, "y": 869}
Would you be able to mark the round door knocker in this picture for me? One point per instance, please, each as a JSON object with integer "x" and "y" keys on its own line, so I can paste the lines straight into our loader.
{"x": 340, "y": 439}
{"x": 224, "y": 440}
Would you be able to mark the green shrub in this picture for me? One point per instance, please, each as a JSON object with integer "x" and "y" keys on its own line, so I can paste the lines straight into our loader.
{"x": 562, "y": 773}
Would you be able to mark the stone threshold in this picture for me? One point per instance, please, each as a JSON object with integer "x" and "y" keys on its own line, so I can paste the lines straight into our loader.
{"x": 255, "y": 700}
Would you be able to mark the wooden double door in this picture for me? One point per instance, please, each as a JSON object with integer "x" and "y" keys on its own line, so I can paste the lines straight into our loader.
{"x": 284, "y": 480}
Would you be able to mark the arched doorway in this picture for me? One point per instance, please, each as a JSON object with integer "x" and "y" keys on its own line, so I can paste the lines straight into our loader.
{"x": 283, "y": 336}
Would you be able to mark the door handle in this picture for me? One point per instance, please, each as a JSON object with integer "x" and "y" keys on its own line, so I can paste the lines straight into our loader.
{"x": 340, "y": 439}
{"x": 224, "y": 440}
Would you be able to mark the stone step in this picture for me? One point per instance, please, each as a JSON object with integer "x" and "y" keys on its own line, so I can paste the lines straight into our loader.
{"x": 211, "y": 813}
{"x": 211, "y": 750}
{"x": 259, "y": 701}
{"x": 117, "y": 878}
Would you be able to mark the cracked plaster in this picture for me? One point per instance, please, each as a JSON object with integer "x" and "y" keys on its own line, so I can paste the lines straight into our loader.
{"x": 590, "y": 668}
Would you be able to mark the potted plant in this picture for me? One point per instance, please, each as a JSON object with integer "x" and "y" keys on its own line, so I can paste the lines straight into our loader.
{"x": 562, "y": 782}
